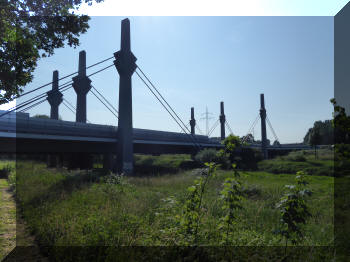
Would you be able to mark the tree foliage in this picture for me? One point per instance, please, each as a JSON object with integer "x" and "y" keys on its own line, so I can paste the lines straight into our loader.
{"x": 341, "y": 123}
{"x": 30, "y": 29}
{"x": 293, "y": 209}
{"x": 42, "y": 116}
{"x": 322, "y": 131}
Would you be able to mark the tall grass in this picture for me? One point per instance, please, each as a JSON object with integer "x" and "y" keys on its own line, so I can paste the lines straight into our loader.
{"x": 65, "y": 208}
{"x": 301, "y": 161}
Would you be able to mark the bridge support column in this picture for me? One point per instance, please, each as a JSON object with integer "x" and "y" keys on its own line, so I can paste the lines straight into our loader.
{"x": 126, "y": 66}
{"x": 263, "y": 127}
{"x": 222, "y": 120}
{"x": 81, "y": 85}
{"x": 54, "y": 97}
{"x": 192, "y": 122}
{"x": 107, "y": 162}
{"x": 51, "y": 160}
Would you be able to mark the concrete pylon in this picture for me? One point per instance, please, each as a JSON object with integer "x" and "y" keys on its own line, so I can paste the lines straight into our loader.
{"x": 192, "y": 122}
{"x": 125, "y": 62}
{"x": 263, "y": 126}
{"x": 222, "y": 120}
{"x": 54, "y": 96}
{"x": 82, "y": 85}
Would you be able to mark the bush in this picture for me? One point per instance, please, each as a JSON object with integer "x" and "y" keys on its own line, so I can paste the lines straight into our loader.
{"x": 5, "y": 171}
{"x": 207, "y": 155}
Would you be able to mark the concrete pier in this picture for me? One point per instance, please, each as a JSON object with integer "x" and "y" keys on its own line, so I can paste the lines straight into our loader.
{"x": 222, "y": 121}
{"x": 54, "y": 97}
{"x": 192, "y": 122}
{"x": 126, "y": 66}
{"x": 81, "y": 85}
{"x": 263, "y": 126}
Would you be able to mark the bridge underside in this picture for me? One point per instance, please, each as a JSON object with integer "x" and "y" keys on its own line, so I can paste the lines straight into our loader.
{"x": 28, "y": 146}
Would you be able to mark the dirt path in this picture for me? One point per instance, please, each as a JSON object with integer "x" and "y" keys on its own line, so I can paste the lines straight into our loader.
{"x": 7, "y": 220}
{"x": 14, "y": 235}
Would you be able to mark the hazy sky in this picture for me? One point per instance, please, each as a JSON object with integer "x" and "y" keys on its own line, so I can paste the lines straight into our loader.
{"x": 200, "y": 61}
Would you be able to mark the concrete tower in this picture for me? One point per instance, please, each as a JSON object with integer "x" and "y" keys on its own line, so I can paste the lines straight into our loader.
{"x": 192, "y": 122}
{"x": 82, "y": 85}
{"x": 126, "y": 66}
{"x": 263, "y": 126}
{"x": 222, "y": 120}
{"x": 54, "y": 96}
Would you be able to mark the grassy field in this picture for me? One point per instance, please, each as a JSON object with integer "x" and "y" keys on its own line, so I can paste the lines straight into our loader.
{"x": 304, "y": 160}
{"x": 82, "y": 208}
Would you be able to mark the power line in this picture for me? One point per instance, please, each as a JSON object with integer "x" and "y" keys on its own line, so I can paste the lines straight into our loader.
{"x": 199, "y": 130}
{"x": 70, "y": 109}
{"x": 207, "y": 118}
{"x": 213, "y": 127}
{"x": 104, "y": 104}
{"x": 34, "y": 105}
{"x": 36, "y": 98}
{"x": 105, "y": 100}
{"x": 162, "y": 97}
{"x": 192, "y": 137}
{"x": 62, "y": 78}
{"x": 273, "y": 131}
{"x": 251, "y": 127}
{"x": 211, "y": 130}
{"x": 100, "y": 70}
{"x": 227, "y": 124}
{"x": 63, "y": 88}
{"x": 69, "y": 104}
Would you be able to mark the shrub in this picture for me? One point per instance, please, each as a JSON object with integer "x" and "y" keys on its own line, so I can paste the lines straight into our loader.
{"x": 5, "y": 171}
{"x": 207, "y": 155}
{"x": 293, "y": 209}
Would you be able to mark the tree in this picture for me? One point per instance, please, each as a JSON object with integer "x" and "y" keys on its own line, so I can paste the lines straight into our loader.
{"x": 30, "y": 29}
{"x": 315, "y": 139}
{"x": 231, "y": 143}
{"x": 45, "y": 116}
{"x": 42, "y": 116}
{"x": 248, "y": 138}
{"x": 341, "y": 123}
{"x": 326, "y": 131}
{"x": 276, "y": 143}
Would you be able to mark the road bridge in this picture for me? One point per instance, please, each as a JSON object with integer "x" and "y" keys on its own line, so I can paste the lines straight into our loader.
{"x": 20, "y": 133}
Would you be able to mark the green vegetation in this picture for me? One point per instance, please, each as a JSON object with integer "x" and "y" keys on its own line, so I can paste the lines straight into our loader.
{"x": 301, "y": 161}
{"x": 162, "y": 164}
{"x": 7, "y": 212}
{"x": 322, "y": 133}
{"x": 82, "y": 208}
{"x": 293, "y": 209}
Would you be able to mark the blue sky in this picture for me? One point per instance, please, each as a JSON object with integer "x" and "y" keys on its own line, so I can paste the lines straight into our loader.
{"x": 200, "y": 61}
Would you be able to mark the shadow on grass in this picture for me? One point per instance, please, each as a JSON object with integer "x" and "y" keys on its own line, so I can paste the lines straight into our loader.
{"x": 66, "y": 186}
{"x": 147, "y": 168}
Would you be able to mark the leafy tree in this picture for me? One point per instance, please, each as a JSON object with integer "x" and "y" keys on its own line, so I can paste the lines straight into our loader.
{"x": 326, "y": 131}
{"x": 248, "y": 138}
{"x": 45, "y": 116}
{"x": 30, "y": 29}
{"x": 315, "y": 139}
{"x": 276, "y": 143}
{"x": 341, "y": 124}
{"x": 42, "y": 116}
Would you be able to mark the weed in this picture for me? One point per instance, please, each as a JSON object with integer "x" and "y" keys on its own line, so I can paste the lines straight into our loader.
{"x": 293, "y": 210}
